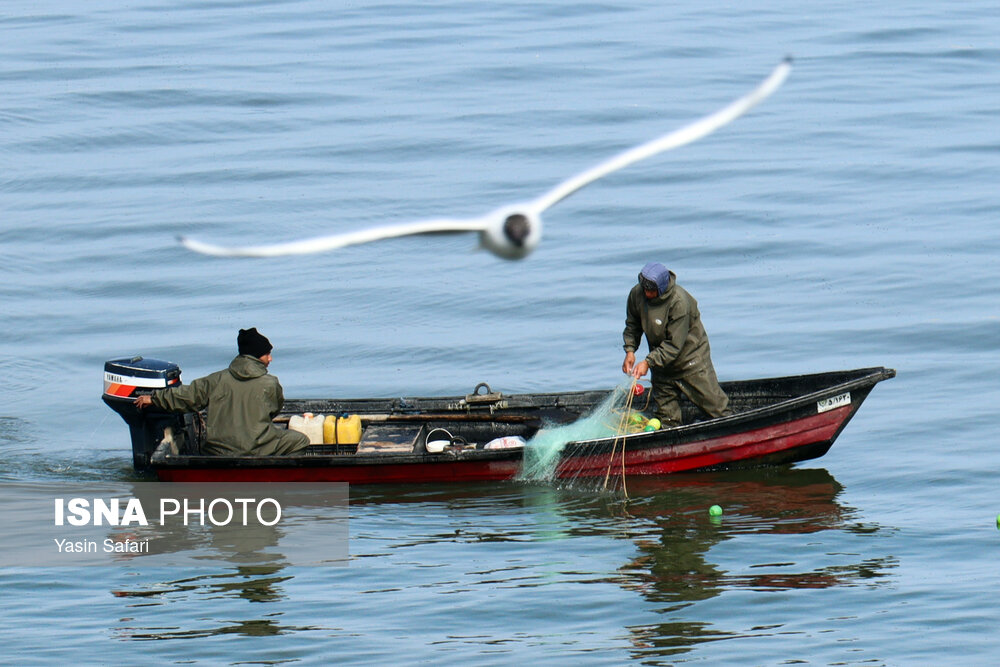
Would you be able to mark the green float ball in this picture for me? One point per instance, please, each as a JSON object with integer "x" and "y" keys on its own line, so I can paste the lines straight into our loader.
{"x": 655, "y": 423}
{"x": 715, "y": 510}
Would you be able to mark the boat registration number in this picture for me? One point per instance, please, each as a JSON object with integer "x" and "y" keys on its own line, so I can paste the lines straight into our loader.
{"x": 833, "y": 402}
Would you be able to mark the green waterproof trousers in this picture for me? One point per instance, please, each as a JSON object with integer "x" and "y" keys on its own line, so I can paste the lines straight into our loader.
{"x": 701, "y": 387}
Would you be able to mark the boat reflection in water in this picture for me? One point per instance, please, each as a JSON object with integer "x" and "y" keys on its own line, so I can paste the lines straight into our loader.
{"x": 499, "y": 546}
{"x": 783, "y": 502}
{"x": 756, "y": 546}
{"x": 783, "y": 530}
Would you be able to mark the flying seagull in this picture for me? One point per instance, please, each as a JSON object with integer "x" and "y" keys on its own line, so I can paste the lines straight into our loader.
{"x": 512, "y": 232}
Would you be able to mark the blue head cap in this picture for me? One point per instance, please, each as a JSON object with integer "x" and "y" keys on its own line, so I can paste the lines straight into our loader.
{"x": 656, "y": 274}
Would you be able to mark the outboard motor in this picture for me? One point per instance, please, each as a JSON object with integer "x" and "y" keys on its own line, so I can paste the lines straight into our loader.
{"x": 124, "y": 380}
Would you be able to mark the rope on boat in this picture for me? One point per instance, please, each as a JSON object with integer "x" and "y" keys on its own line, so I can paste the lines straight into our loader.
{"x": 620, "y": 432}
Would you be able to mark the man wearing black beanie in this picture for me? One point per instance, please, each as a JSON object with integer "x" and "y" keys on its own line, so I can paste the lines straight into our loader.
{"x": 252, "y": 343}
{"x": 241, "y": 403}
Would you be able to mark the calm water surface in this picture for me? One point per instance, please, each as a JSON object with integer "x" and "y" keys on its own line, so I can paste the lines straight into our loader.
{"x": 846, "y": 222}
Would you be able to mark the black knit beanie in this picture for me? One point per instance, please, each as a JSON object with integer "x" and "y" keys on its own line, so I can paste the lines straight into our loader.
{"x": 251, "y": 342}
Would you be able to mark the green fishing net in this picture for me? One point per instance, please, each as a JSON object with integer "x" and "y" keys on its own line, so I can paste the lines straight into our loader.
{"x": 541, "y": 453}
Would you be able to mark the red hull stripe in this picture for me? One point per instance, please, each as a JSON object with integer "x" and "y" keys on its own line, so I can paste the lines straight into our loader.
{"x": 653, "y": 461}
{"x": 714, "y": 451}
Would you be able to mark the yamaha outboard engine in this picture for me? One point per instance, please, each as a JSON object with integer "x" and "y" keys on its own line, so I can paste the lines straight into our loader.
{"x": 124, "y": 380}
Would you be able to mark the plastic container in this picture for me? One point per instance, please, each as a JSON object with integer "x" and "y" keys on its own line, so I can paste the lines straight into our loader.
{"x": 506, "y": 442}
{"x": 310, "y": 424}
{"x": 438, "y": 446}
{"x": 438, "y": 439}
{"x": 343, "y": 430}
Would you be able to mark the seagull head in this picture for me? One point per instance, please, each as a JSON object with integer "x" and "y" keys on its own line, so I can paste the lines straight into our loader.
{"x": 512, "y": 232}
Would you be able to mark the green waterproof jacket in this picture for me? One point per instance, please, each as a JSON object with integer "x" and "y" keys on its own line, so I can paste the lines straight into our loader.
{"x": 678, "y": 344}
{"x": 241, "y": 401}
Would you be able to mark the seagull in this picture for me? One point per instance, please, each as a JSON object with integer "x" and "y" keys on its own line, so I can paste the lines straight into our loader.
{"x": 513, "y": 231}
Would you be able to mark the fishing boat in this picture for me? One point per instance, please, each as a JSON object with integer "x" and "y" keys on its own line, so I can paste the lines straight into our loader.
{"x": 480, "y": 436}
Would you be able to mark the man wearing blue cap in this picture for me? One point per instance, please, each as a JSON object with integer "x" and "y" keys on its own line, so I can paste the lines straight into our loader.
{"x": 679, "y": 355}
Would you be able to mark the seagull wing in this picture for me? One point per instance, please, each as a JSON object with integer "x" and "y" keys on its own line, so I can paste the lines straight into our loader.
{"x": 324, "y": 243}
{"x": 675, "y": 139}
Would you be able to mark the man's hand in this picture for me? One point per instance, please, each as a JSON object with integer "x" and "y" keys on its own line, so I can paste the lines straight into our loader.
{"x": 629, "y": 363}
{"x": 640, "y": 369}
{"x": 143, "y": 401}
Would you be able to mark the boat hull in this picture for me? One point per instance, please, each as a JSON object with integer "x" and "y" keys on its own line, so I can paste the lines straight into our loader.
{"x": 775, "y": 446}
{"x": 787, "y": 431}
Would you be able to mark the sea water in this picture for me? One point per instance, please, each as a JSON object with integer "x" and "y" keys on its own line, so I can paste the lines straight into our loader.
{"x": 848, "y": 221}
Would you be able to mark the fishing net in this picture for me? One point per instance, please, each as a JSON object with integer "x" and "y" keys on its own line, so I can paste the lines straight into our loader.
{"x": 612, "y": 417}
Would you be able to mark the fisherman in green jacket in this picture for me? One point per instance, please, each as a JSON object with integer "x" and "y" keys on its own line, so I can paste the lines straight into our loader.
{"x": 679, "y": 355}
{"x": 241, "y": 403}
